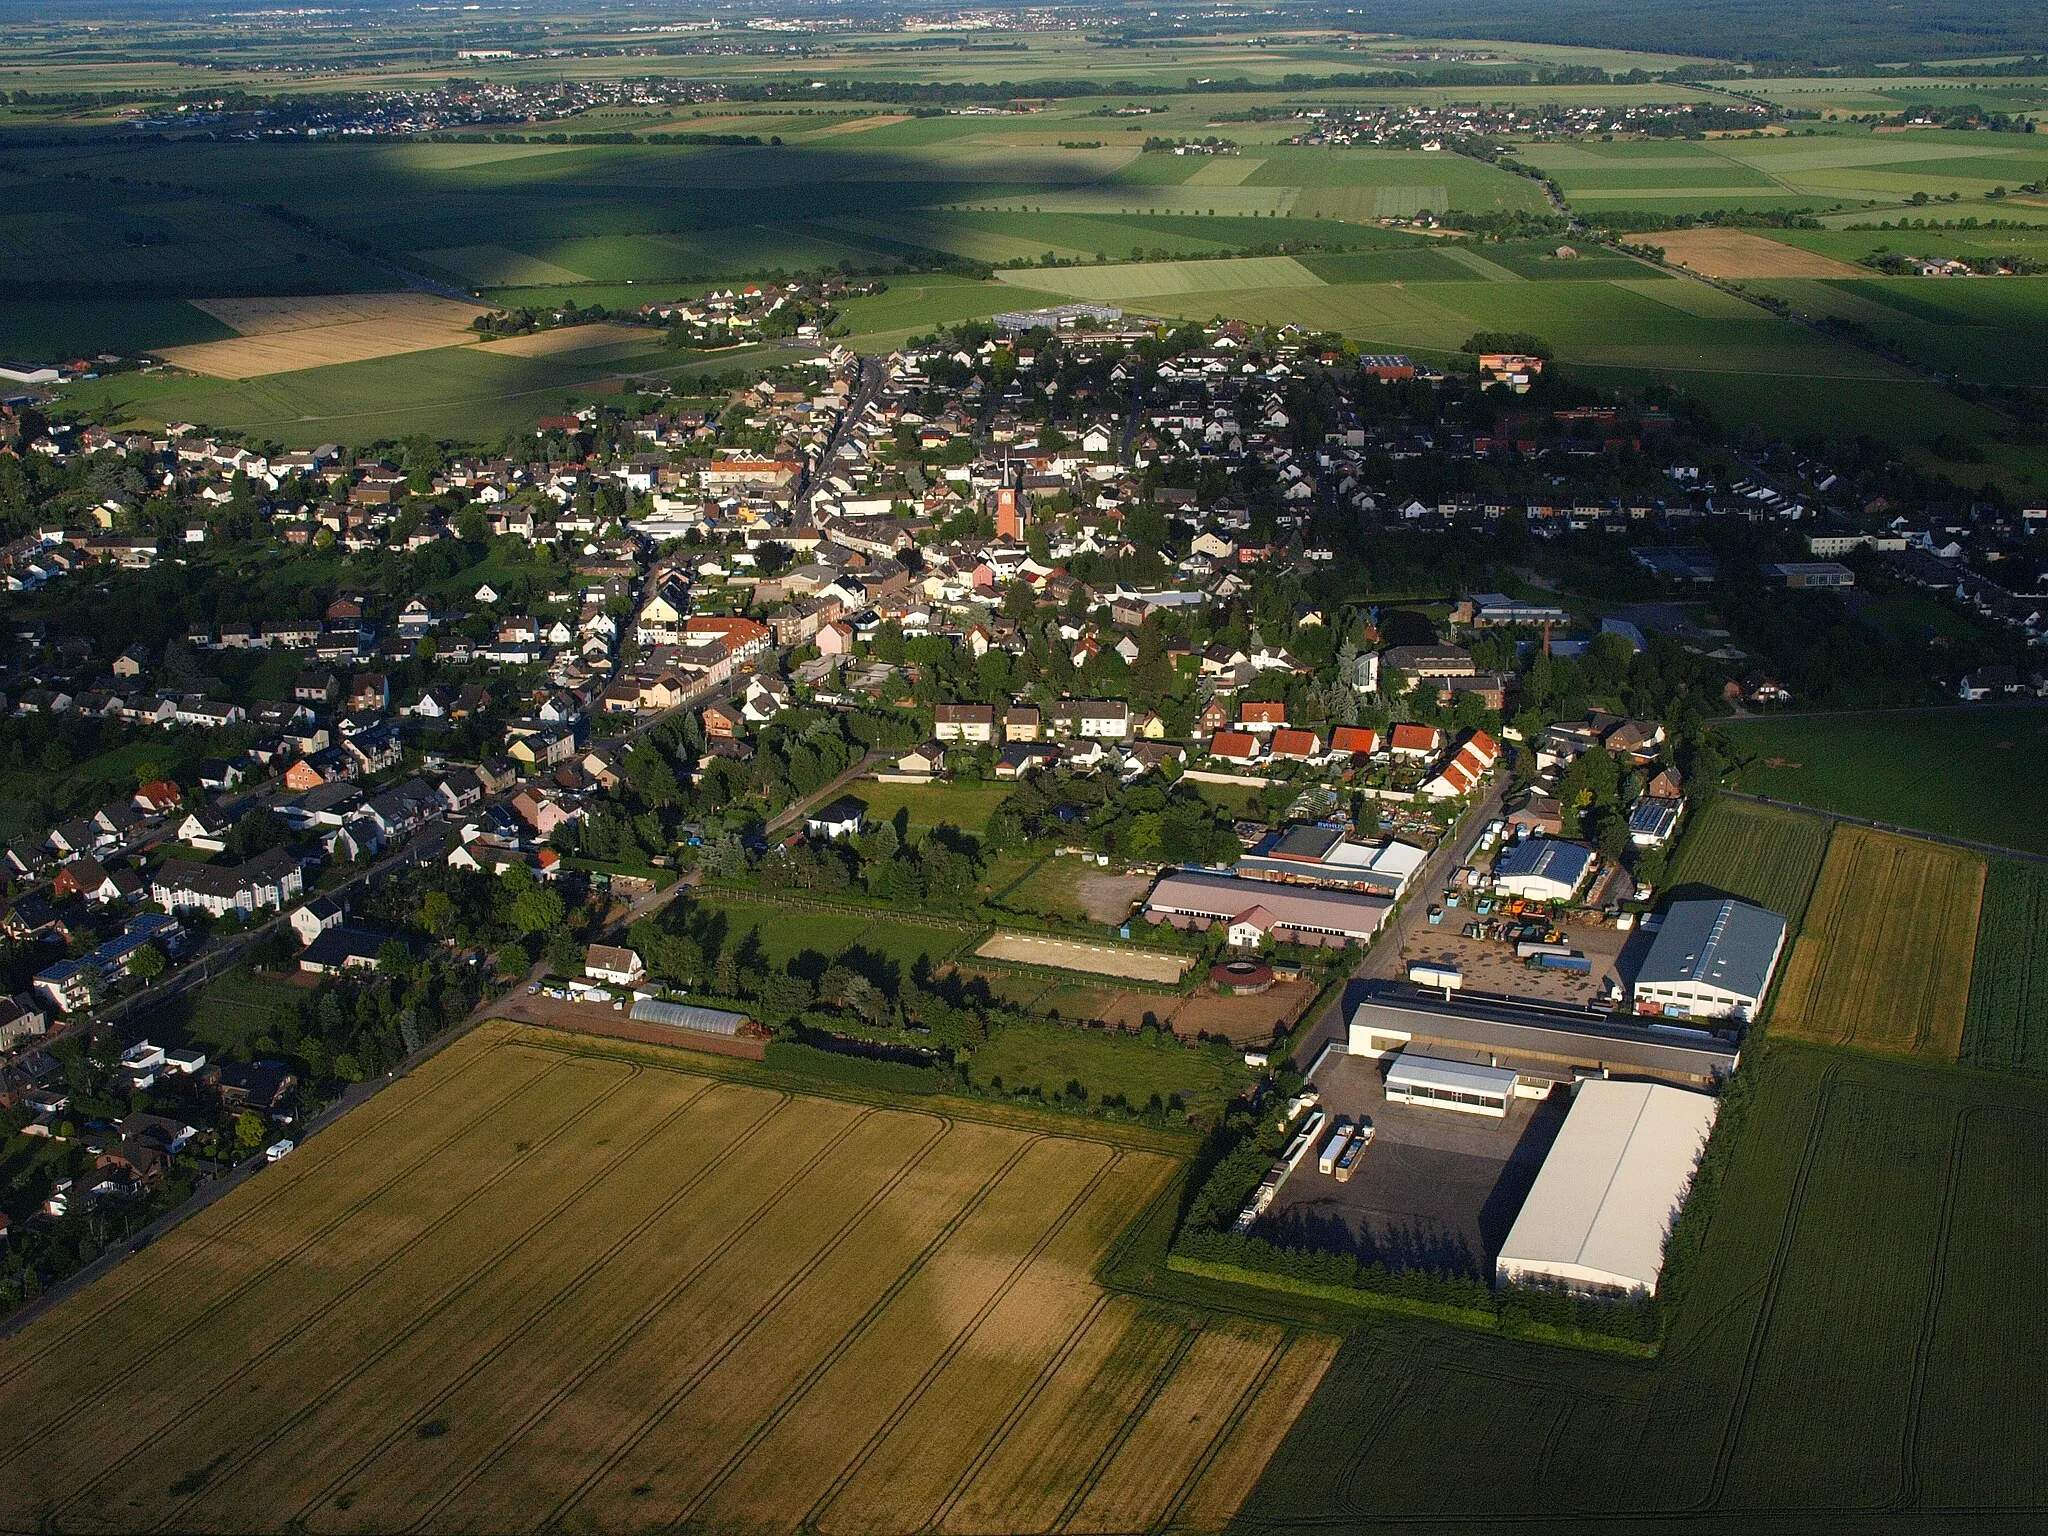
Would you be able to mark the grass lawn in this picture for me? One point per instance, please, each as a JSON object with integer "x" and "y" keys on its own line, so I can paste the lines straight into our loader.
{"x": 963, "y": 805}
{"x": 1972, "y": 773}
{"x": 1049, "y": 1056}
{"x": 787, "y": 932}
{"x": 1050, "y": 890}
{"x": 1860, "y": 1322}
{"x": 229, "y": 1014}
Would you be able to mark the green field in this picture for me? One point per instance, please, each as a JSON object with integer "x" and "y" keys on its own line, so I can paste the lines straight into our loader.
{"x": 1855, "y": 1352}
{"x": 1843, "y": 168}
{"x": 2007, "y": 1026}
{"x": 461, "y": 393}
{"x": 1991, "y": 330}
{"x": 785, "y": 932}
{"x": 1970, "y": 773}
{"x": 50, "y": 330}
{"x": 1047, "y": 1057}
{"x": 967, "y": 806}
{"x": 548, "y": 1279}
{"x": 1767, "y": 856}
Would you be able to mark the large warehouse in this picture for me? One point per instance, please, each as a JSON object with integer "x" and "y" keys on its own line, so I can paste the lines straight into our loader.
{"x": 1543, "y": 869}
{"x": 1596, "y": 1219}
{"x": 1254, "y": 909}
{"x": 1317, "y": 855}
{"x": 1544, "y": 1045}
{"x": 1710, "y": 960}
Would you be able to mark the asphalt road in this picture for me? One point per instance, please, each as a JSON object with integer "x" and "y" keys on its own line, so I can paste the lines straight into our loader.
{"x": 1382, "y": 961}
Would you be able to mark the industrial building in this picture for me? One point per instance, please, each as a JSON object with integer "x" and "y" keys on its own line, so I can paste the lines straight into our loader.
{"x": 1542, "y": 1045}
{"x": 1462, "y": 1086}
{"x": 1800, "y": 574}
{"x": 1710, "y": 960}
{"x": 1603, "y": 1203}
{"x": 1254, "y": 909}
{"x": 1056, "y": 317}
{"x": 1318, "y": 855}
{"x": 1543, "y": 869}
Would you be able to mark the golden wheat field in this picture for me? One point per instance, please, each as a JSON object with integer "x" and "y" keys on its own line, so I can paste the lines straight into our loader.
{"x": 281, "y": 335}
{"x": 548, "y": 1284}
{"x": 1884, "y": 959}
{"x": 1736, "y": 253}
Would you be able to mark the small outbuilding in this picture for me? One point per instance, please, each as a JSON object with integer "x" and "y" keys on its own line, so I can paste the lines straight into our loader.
{"x": 1464, "y": 1086}
{"x": 1543, "y": 869}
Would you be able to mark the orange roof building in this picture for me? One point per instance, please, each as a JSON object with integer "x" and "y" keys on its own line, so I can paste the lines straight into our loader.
{"x": 1234, "y": 746}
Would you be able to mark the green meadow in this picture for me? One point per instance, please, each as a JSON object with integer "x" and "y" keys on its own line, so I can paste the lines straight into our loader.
{"x": 1991, "y": 330}
{"x": 1836, "y": 169}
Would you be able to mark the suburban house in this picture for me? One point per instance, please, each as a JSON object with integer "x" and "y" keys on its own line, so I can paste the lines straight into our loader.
{"x": 610, "y": 963}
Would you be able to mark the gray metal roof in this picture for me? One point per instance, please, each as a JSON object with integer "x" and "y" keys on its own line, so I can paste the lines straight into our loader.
{"x": 1727, "y": 944}
{"x": 708, "y": 1021}
{"x": 1556, "y": 1034}
{"x": 1547, "y": 857}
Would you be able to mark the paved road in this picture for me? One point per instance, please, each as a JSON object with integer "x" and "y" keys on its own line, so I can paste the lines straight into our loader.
{"x": 856, "y": 410}
{"x": 1382, "y": 961}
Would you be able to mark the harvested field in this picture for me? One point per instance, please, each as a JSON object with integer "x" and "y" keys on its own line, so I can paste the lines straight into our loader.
{"x": 860, "y": 125}
{"x": 1885, "y": 958}
{"x": 594, "y": 1287}
{"x": 282, "y": 335}
{"x": 572, "y": 338}
{"x": 1735, "y": 253}
{"x": 1093, "y": 959}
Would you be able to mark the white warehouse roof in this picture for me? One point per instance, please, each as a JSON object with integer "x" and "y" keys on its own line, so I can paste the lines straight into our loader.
{"x": 1412, "y": 1071}
{"x": 1608, "y": 1192}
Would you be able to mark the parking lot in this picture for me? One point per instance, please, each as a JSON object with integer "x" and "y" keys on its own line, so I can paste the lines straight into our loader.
{"x": 1435, "y": 1190}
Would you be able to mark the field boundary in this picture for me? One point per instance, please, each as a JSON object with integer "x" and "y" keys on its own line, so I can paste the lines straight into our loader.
{"x": 1997, "y": 850}
{"x": 1428, "y": 1311}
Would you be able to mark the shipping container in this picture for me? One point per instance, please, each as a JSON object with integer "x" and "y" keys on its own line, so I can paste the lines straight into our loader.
{"x": 1580, "y": 964}
{"x": 1529, "y": 948}
{"x": 1425, "y": 974}
{"x": 1334, "y": 1149}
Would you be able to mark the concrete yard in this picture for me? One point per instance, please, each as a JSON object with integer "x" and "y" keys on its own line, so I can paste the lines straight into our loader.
{"x": 1437, "y": 1189}
{"x": 1491, "y": 968}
